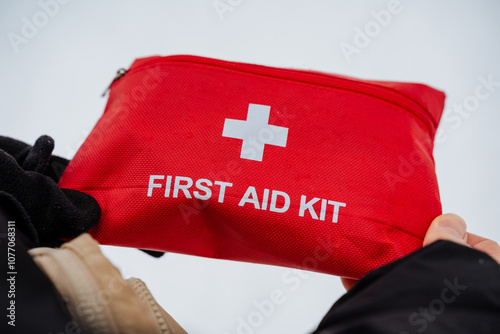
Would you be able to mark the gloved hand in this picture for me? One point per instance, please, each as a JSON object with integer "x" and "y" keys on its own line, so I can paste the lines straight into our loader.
{"x": 48, "y": 212}
{"x": 81, "y": 211}
{"x": 36, "y": 158}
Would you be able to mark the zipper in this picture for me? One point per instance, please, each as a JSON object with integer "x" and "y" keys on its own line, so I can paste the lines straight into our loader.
{"x": 120, "y": 73}
{"x": 316, "y": 78}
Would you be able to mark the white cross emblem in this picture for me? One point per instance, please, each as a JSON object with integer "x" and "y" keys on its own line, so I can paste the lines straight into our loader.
{"x": 255, "y": 132}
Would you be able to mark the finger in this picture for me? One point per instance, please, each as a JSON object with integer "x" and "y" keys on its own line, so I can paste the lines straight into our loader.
{"x": 39, "y": 156}
{"x": 487, "y": 246}
{"x": 447, "y": 227}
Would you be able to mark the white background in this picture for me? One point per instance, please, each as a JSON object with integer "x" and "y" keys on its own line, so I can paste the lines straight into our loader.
{"x": 51, "y": 84}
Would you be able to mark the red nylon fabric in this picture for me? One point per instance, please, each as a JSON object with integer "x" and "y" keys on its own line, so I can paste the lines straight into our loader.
{"x": 360, "y": 148}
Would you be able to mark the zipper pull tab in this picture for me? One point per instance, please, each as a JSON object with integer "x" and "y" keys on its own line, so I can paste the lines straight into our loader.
{"x": 120, "y": 73}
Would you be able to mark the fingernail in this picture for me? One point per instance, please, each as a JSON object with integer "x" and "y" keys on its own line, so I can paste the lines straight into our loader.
{"x": 453, "y": 226}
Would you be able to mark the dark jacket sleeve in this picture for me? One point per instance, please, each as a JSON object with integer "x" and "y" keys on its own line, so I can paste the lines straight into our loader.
{"x": 442, "y": 288}
{"x": 30, "y": 303}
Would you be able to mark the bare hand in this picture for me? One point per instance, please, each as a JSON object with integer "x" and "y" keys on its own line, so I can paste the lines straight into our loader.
{"x": 452, "y": 228}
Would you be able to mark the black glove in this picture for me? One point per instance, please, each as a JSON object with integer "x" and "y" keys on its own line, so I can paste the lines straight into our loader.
{"x": 49, "y": 212}
{"x": 38, "y": 158}
{"x": 153, "y": 253}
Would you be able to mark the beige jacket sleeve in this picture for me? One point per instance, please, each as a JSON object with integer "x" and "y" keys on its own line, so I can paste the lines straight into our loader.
{"x": 97, "y": 296}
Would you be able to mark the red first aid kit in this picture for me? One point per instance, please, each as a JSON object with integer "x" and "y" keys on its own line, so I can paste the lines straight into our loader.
{"x": 268, "y": 165}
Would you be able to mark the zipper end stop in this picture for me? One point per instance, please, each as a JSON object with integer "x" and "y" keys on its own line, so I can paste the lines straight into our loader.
{"x": 120, "y": 73}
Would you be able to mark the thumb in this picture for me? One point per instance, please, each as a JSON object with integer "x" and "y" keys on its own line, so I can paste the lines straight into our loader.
{"x": 447, "y": 227}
